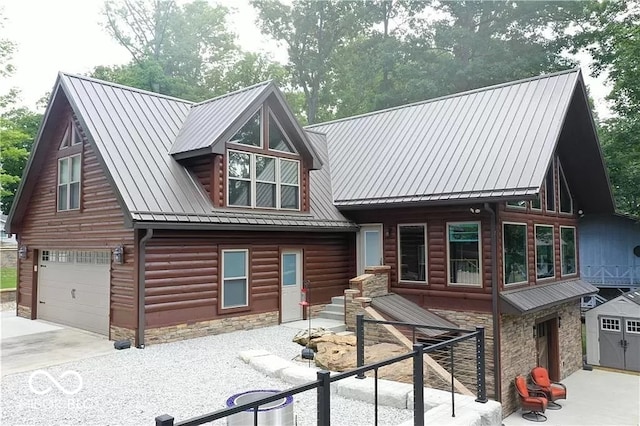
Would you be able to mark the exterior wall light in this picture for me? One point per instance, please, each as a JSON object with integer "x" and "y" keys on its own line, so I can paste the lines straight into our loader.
{"x": 22, "y": 252}
{"x": 118, "y": 255}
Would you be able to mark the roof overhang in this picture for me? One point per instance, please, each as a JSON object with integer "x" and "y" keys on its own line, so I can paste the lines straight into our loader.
{"x": 533, "y": 299}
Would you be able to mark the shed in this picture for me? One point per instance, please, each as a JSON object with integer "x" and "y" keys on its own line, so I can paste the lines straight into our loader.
{"x": 613, "y": 333}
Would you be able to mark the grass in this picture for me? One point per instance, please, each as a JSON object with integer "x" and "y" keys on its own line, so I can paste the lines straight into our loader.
{"x": 8, "y": 277}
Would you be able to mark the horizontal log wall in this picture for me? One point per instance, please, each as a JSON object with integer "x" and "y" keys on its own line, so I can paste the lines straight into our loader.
{"x": 183, "y": 271}
{"x": 98, "y": 225}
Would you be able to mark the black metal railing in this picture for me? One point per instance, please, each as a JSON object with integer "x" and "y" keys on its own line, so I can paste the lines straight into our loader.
{"x": 324, "y": 379}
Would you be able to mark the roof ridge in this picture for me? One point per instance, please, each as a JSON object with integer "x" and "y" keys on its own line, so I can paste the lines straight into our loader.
{"x": 235, "y": 92}
{"x": 450, "y": 96}
{"x": 123, "y": 87}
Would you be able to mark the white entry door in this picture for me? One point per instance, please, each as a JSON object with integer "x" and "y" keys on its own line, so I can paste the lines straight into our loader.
{"x": 369, "y": 246}
{"x": 291, "y": 285}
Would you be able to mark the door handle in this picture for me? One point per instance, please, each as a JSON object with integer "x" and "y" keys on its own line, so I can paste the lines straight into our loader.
{"x": 41, "y": 302}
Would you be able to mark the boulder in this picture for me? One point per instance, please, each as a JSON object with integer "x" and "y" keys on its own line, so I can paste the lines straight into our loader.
{"x": 302, "y": 337}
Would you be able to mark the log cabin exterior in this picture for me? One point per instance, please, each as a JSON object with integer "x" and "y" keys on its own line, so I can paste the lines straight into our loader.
{"x": 199, "y": 218}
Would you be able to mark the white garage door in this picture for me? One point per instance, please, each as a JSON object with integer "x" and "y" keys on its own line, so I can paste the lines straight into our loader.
{"x": 73, "y": 288}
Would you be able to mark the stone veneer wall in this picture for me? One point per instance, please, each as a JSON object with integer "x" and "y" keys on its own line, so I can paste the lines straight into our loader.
{"x": 316, "y": 309}
{"x": 24, "y": 311}
{"x": 518, "y": 348}
{"x": 469, "y": 321}
{"x": 204, "y": 328}
{"x": 121, "y": 333}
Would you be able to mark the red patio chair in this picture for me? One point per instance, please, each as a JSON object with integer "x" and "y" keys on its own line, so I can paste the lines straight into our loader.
{"x": 532, "y": 400}
{"x": 552, "y": 390}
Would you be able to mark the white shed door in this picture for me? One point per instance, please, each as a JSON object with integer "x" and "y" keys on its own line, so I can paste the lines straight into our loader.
{"x": 73, "y": 288}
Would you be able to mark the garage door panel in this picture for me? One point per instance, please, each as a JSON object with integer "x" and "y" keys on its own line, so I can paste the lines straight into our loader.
{"x": 74, "y": 293}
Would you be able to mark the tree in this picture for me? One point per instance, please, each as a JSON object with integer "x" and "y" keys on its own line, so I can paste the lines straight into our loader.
{"x": 313, "y": 32}
{"x": 611, "y": 34}
{"x": 175, "y": 49}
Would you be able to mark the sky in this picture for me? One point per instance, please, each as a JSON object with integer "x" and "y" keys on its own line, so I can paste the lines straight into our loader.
{"x": 68, "y": 35}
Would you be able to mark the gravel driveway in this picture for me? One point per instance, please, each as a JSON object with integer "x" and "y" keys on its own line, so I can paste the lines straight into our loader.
{"x": 183, "y": 379}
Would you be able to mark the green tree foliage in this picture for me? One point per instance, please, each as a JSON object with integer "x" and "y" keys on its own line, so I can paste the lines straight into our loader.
{"x": 18, "y": 129}
{"x": 611, "y": 34}
{"x": 313, "y": 32}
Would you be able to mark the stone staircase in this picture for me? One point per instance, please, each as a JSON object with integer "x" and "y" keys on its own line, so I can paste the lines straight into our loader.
{"x": 334, "y": 310}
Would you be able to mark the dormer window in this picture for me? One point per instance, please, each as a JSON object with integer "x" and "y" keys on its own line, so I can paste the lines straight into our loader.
{"x": 263, "y": 175}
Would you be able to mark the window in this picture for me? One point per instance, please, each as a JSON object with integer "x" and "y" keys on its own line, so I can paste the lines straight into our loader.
{"x": 46, "y": 257}
{"x": 544, "y": 252}
{"x": 611, "y": 324}
{"x": 514, "y": 240}
{"x": 550, "y": 190}
{"x": 568, "y": 249}
{"x": 65, "y": 256}
{"x": 633, "y": 326}
{"x": 261, "y": 181}
{"x": 519, "y": 204}
{"x": 411, "y": 252}
{"x": 566, "y": 203}
{"x": 235, "y": 278}
{"x": 463, "y": 251}
{"x": 277, "y": 140}
{"x": 536, "y": 203}
{"x": 251, "y": 133}
{"x": 69, "y": 183}
{"x": 71, "y": 137}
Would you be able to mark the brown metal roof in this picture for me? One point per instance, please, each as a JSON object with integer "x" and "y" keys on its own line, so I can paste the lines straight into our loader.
{"x": 531, "y": 299}
{"x": 489, "y": 143}
{"x": 401, "y": 309}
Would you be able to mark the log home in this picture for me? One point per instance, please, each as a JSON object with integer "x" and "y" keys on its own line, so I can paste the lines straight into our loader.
{"x": 151, "y": 218}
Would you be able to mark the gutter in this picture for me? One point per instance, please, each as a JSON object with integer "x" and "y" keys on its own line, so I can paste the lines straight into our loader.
{"x": 142, "y": 248}
{"x": 495, "y": 309}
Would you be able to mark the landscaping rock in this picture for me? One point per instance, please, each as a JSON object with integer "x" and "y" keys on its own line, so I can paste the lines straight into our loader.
{"x": 302, "y": 338}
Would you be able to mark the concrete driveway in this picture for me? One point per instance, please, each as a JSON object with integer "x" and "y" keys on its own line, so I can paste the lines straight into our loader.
{"x": 598, "y": 397}
{"x": 30, "y": 345}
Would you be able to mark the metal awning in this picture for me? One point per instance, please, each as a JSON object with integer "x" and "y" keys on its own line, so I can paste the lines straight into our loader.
{"x": 531, "y": 299}
{"x": 401, "y": 309}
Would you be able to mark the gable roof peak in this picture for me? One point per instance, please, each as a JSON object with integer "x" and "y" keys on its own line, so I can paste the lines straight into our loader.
{"x": 264, "y": 84}
{"x": 450, "y": 96}
{"x": 63, "y": 74}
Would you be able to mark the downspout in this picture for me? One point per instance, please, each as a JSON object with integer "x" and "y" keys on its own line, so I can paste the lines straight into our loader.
{"x": 142, "y": 248}
{"x": 495, "y": 310}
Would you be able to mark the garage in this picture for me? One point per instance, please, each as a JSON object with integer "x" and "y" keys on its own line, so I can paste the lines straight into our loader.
{"x": 73, "y": 289}
{"x": 613, "y": 333}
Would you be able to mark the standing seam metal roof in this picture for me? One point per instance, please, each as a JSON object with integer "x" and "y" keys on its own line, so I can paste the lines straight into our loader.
{"x": 490, "y": 142}
{"x": 134, "y": 130}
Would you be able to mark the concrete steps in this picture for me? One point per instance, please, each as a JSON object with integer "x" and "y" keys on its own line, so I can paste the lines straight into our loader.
{"x": 334, "y": 310}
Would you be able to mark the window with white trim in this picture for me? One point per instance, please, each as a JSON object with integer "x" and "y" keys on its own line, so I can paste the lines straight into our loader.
{"x": 610, "y": 324}
{"x": 71, "y": 137}
{"x": 69, "y": 182}
{"x": 536, "y": 203}
{"x": 632, "y": 326}
{"x": 261, "y": 181}
{"x": 544, "y": 252}
{"x": 464, "y": 253}
{"x": 568, "y": 249}
{"x": 235, "y": 278}
{"x": 517, "y": 204}
{"x": 412, "y": 254}
{"x": 514, "y": 245}
{"x": 251, "y": 132}
{"x": 566, "y": 202}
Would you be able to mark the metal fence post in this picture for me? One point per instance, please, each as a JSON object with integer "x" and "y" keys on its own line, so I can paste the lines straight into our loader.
{"x": 480, "y": 367}
{"x": 418, "y": 385}
{"x": 324, "y": 398}
{"x": 164, "y": 420}
{"x": 453, "y": 392}
{"x": 360, "y": 343}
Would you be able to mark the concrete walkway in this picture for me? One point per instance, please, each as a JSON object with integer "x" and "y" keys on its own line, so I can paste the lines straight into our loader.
{"x": 598, "y": 397}
{"x": 29, "y": 345}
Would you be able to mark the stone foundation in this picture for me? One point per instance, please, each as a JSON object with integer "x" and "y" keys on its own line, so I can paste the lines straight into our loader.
{"x": 316, "y": 309}
{"x": 205, "y": 328}
{"x": 519, "y": 353}
{"x": 121, "y": 333}
{"x": 24, "y": 311}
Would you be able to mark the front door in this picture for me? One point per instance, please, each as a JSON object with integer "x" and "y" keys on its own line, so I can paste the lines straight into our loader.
{"x": 547, "y": 347}
{"x": 291, "y": 285}
{"x": 370, "y": 246}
